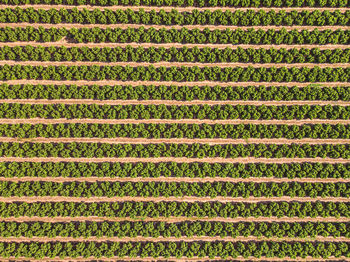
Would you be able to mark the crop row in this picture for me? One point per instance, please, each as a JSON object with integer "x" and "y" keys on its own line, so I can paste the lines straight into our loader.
{"x": 180, "y": 229}
{"x": 188, "y": 93}
{"x": 79, "y": 111}
{"x": 171, "y": 169}
{"x": 195, "y": 36}
{"x": 192, "y": 131}
{"x": 173, "y": 189}
{"x": 223, "y": 250}
{"x": 184, "y": 209}
{"x": 154, "y": 54}
{"x": 99, "y": 150}
{"x": 177, "y": 74}
{"x": 189, "y": 3}
{"x": 217, "y": 17}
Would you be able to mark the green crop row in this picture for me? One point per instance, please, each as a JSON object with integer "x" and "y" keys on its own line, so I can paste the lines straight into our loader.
{"x": 177, "y": 74}
{"x": 217, "y": 249}
{"x": 180, "y": 229}
{"x": 185, "y": 54}
{"x": 188, "y": 93}
{"x": 196, "y": 17}
{"x": 99, "y": 150}
{"x": 79, "y": 111}
{"x": 173, "y": 189}
{"x": 171, "y": 169}
{"x": 195, "y": 36}
{"x": 321, "y": 131}
{"x": 189, "y": 3}
{"x": 210, "y": 209}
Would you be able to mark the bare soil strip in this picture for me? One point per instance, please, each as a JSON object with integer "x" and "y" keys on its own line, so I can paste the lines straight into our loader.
{"x": 244, "y": 160}
{"x": 175, "y": 179}
{"x": 209, "y": 141}
{"x": 175, "y": 219}
{"x": 173, "y": 259}
{"x": 172, "y": 102}
{"x": 172, "y": 83}
{"x": 178, "y": 9}
{"x": 188, "y": 199}
{"x": 172, "y": 239}
{"x": 65, "y": 43}
{"x": 173, "y": 121}
{"x": 178, "y": 27}
{"x": 170, "y": 64}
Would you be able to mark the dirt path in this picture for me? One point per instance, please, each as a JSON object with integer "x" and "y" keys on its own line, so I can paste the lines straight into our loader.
{"x": 174, "y": 121}
{"x": 188, "y": 199}
{"x": 173, "y": 102}
{"x": 177, "y": 64}
{"x": 65, "y": 43}
{"x": 178, "y": 27}
{"x": 244, "y": 160}
{"x": 172, "y": 239}
{"x": 172, "y": 83}
{"x": 175, "y": 179}
{"x": 209, "y": 141}
{"x": 177, "y": 219}
{"x": 178, "y": 9}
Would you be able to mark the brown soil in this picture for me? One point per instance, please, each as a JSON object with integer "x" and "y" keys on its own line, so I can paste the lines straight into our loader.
{"x": 172, "y": 239}
{"x": 169, "y": 64}
{"x": 171, "y": 83}
{"x": 64, "y": 42}
{"x": 209, "y": 141}
{"x": 189, "y": 199}
{"x": 200, "y": 27}
{"x": 175, "y": 219}
{"x": 178, "y": 9}
{"x": 172, "y": 102}
{"x": 174, "y": 121}
{"x": 175, "y": 179}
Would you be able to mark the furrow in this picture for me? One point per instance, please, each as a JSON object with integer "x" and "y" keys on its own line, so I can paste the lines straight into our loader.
{"x": 178, "y": 9}
{"x": 173, "y": 259}
{"x": 174, "y": 179}
{"x": 172, "y": 239}
{"x": 64, "y": 42}
{"x": 177, "y": 27}
{"x": 170, "y": 83}
{"x": 173, "y": 121}
{"x": 244, "y": 160}
{"x": 209, "y": 141}
{"x": 170, "y": 64}
{"x": 172, "y": 102}
{"x": 188, "y": 199}
{"x": 174, "y": 219}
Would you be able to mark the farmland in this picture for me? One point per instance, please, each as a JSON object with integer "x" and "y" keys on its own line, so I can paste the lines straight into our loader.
{"x": 174, "y": 130}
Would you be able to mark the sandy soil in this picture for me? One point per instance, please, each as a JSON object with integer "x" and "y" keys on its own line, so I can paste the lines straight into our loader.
{"x": 209, "y": 141}
{"x": 189, "y": 199}
{"x": 200, "y": 27}
{"x": 64, "y": 42}
{"x": 179, "y": 9}
{"x": 174, "y": 121}
{"x": 172, "y": 239}
{"x": 171, "y": 83}
{"x": 170, "y": 64}
{"x": 175, "y": 179}
{"x": 176, "y": 219}
{"x": 176, "y": 160}
{"x": 173, "y": 102}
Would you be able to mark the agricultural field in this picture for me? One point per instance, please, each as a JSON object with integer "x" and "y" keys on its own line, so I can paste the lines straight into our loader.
{"x": 174, "y": 130}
